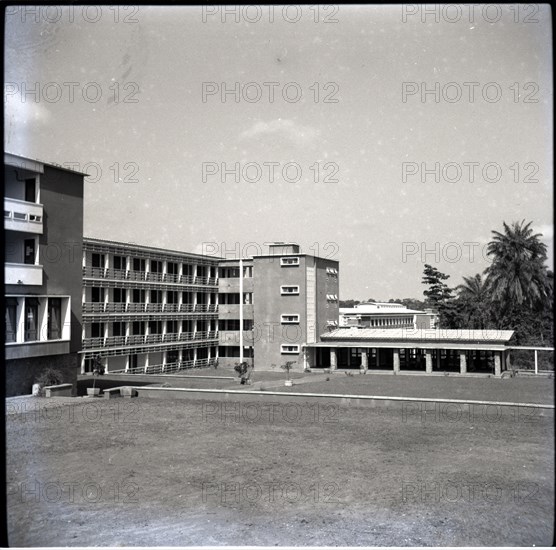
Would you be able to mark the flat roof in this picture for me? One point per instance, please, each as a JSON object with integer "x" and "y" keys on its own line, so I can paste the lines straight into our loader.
{"x": 35, "y": 165}
{"x": 378, "y": 311}
{"x": 148, "y": 249}
{"x": 418, "y": 335}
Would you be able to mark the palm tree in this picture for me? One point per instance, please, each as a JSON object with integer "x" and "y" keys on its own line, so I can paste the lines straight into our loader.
{"x": 517, "y": 278}
{"x": 473, "y": 298}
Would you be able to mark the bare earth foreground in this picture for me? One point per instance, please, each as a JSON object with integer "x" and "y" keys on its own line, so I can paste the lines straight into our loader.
{"x": 144, "y": 472}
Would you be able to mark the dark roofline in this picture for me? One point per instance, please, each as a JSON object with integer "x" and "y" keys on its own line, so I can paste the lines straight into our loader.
{"x": 49, "y": 164}
{"x": 151, "y": 249}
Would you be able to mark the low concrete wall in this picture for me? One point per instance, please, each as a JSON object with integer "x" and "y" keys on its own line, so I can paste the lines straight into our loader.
{"x": 410, "y": 405}
{"x": 61, "y": 390}
{"x": 21, "y": 374}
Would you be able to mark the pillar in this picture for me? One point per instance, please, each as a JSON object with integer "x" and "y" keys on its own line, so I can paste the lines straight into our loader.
{"x": 428, "y": 361}
{"x": 462, "y": 362}
{"x": 364, "y": 360}
{"x": 396, "y": 361}
{"x": 333, "y": 359}
{"x": 497, "y": 364}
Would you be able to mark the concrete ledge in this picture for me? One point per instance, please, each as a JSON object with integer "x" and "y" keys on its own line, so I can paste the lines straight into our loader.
{"x": 59, "y": 390}
{"x": 345, "y": 399}
{"x": 179, "y": 376}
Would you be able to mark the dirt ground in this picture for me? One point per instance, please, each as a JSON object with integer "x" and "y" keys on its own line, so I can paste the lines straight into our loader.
{"x": 147, "y": 472}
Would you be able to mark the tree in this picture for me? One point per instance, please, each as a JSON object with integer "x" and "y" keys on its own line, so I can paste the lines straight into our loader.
{"x": 518, "y": 274}
{"x": 473, "y": 302}
{"x": 439, "y": 297}
{"x": 519, "y": 283}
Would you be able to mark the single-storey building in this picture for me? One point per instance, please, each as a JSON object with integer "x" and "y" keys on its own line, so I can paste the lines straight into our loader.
{"x": 409, "y": 349}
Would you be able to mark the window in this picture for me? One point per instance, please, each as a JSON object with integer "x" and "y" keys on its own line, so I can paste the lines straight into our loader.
{"x": 11, "y": 319}
{"x": 97, "y": 330}
{"x": 229, "y": 324}
{"x": 97, "y": 260}
{"x": 31, "y": 319}
{"x": 289, "y": 318}
{"x": 156, "y": 296}
{"x": 172, "y": 327}
{"x": 118, "y": 329}
{"x": 29, "y": 251}
{"x": 331, "y": 271}
{"x": 138, "y": 264}
{"x": 120, "y": 262}
{"x": 155, "y": 327}
{"x": 228, "y": 298}
{"x": 97, "y": 294}
{"x": 138, "y": 296}
{"x": 137, "y": 328}
{"x": 172, "y": 297}
{"x": 30, "y": 186}
{"x": 119, "y": 295}
{"x": 172, "y": 268}
{"x": 284, "y": 262}
{"x": 285, "y": 290}
{"x": 156, "y": 266}
{"x": 54, "y": 318}
{"x": 229, "y": 272}
{"x": 289, "y": 348}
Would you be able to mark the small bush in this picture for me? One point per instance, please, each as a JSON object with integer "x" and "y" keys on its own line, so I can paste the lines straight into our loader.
{"x": 49, "y": 377}
{"x": 328, "y": 378}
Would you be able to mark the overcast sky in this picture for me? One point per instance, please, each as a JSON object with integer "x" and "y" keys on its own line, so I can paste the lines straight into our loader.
{"x": 347, "y": 113}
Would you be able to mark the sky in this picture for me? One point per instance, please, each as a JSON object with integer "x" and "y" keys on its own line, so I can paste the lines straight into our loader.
{"x": 384, "y": 137}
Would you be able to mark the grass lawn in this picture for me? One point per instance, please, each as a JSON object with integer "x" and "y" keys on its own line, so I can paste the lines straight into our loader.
{"x": 148, "y": 472}
{"x": 515, "y": 390}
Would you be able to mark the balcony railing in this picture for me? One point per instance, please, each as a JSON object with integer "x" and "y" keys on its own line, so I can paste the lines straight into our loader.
{"x": 148, "y": 276}
{"x": 22, "y": 274}
{"x": 23, "y": 216}
{"x": 142, "y": 307}
{"x": 142, "y": 339}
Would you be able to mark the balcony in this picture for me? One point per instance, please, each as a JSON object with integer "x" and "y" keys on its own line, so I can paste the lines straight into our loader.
{"x": 143, "y": 339}
{"x": 145, "y": 276}
{"x": 231, "y": 285}
{"x": 23, "y": 216}
{"x": 22, "y": 274}
{"x": 231, "y": 311}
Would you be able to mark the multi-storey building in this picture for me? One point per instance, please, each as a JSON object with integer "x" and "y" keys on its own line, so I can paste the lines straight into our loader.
{"x": 43, "y": 222}
{"x": 148, "y": 309}
{"x": 386, "y": 315}
{"x": 271, "y": 306}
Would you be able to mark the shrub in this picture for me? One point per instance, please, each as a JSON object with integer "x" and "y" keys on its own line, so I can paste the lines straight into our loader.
{"x": 49, "y": 377}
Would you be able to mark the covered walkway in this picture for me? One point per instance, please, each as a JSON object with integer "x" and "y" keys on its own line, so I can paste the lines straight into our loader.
{"x": 409, "y": 349}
